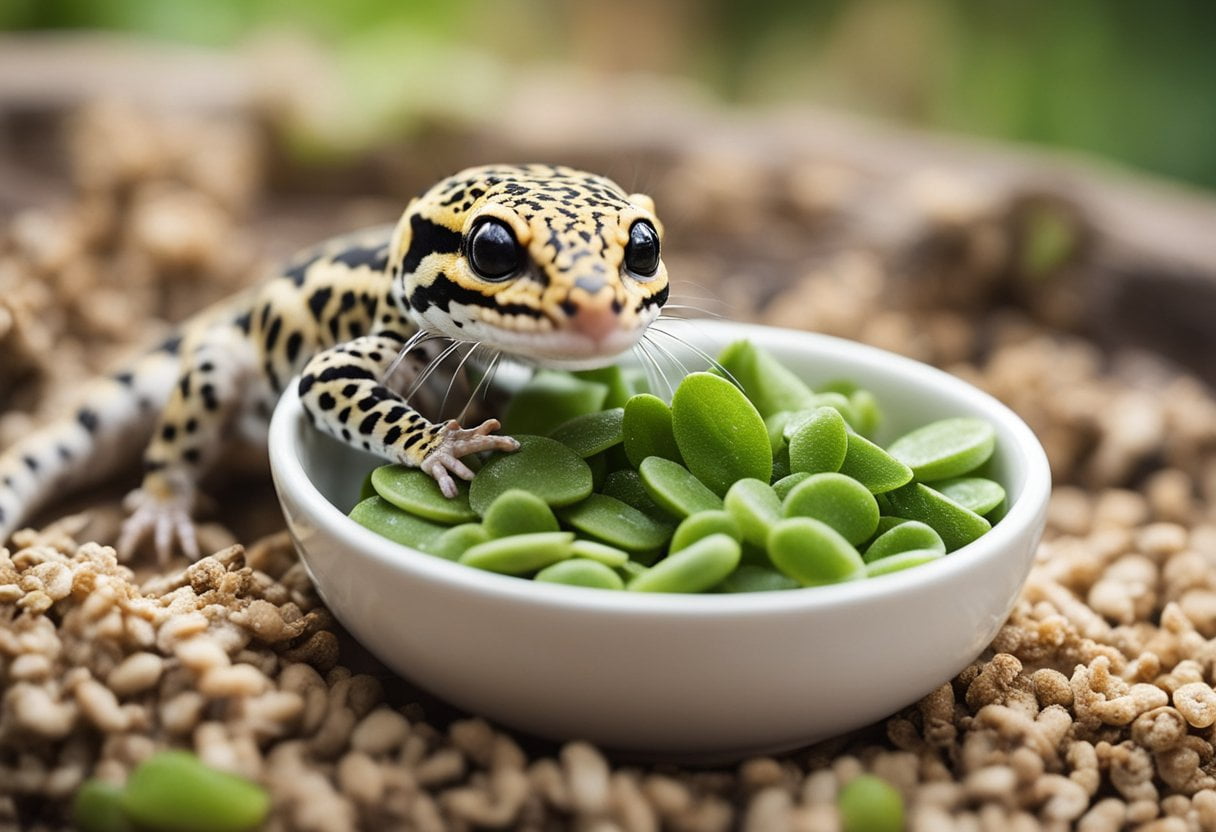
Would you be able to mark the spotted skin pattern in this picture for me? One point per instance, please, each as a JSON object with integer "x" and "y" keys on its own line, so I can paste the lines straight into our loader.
{"x": 338, "y": 317}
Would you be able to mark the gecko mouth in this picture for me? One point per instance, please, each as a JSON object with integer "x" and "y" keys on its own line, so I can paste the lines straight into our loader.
{"x": 565, "y": 350}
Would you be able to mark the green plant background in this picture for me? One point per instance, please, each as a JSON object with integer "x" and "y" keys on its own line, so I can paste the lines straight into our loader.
{"x": 1129, "y": 80}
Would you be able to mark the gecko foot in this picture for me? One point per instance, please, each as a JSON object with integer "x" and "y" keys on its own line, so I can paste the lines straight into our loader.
{"x": 444, "y": 460}
{"x": 167, "y": 518}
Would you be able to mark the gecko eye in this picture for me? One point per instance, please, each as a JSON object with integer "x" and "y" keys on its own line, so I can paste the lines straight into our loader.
{"x": 493, "y": 251}
{"x": 642, "y": 251}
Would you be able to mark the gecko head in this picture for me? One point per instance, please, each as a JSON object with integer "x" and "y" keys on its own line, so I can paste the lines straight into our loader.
{"x": 545, "y": 263}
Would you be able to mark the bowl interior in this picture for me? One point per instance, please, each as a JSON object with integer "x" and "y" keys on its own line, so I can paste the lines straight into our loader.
{"x": 910, "y": 394}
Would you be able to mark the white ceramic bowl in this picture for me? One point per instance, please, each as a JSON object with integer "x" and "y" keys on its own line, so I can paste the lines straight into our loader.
{"x": 676, "y": 675}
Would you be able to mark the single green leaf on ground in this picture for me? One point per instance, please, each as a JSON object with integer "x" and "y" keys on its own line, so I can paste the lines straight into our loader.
{"x": 97, "y": 807}
{"x": 173, "y": 791}
{"x": 870, "y": 804}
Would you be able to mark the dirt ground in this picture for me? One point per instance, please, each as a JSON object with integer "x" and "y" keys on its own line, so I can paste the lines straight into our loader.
{"x": 1094, "y": 706}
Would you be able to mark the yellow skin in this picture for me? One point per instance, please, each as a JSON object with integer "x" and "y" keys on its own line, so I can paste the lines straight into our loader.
{"x": 340, "y": 316}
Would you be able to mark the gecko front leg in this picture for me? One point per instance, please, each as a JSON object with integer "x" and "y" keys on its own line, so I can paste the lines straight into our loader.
{"x": 215, "y": 364}
{"x": 342, "y": 395}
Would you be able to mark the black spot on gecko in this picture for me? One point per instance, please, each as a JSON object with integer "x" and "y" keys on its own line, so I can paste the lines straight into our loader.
{"x": 411, "y": 441}
{"x": 395, "y": 414}
{"x": 87, "y": 419}
{"x": 206, "y": 366}
{"x": 191, "y": 425}
{"x": 168, "y": 433}
{"x": 344, "y": 414}
{"x": 326, "y": 401}
{"x": 297, "y": 272}
{"x": 350, "y": 390}
{"x": 272, "y": 334}
{"x": 65, "y": 453}
{"x": 374, "y": 257}
{"x": 392, "y": 435}
{"x": 191, "y": 455}
{"x": 369, "y": 423}
{"x": 306, "y": 384}
{"x": 272, "y": 376}
{"x": 265, "y": 316}
{"x": 659, "y": 297}
{"x": 443, "y": 292}
{"x": 243, "y": 321}
{"x": 171, "y": 345}
{"x": 344, "y": 372}
{"x": 345, "y": 435}
{"x": 317, "y": 301}
{"x": 356, "y": 329}
{"x": 427, "y": 237}
{"x": 30, "y": 462}
{"x": 209, "y": 398}
{"x": 125, "y": 379}
{"x": 184, "y": 385}
{"x": 293, "y": 346}
{"x": 367, "y": 403}
{"x": 151, "y": 465}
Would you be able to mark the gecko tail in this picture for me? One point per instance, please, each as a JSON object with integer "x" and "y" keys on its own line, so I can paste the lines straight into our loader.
{"x": 106, "y": 432}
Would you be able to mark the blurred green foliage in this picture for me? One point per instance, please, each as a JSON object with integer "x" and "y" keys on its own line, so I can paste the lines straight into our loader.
{"x": 1131, "y": 80}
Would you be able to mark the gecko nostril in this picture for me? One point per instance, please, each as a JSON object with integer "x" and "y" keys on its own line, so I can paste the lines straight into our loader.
{"x": 569, "y": 307}
{"x": 596, "y": 321}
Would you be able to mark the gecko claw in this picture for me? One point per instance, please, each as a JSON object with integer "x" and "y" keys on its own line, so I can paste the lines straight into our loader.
{"x": 166, "y": 518}
{"x": 444, "y": 459}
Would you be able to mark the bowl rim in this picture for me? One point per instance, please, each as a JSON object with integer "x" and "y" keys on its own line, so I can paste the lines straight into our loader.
{"x": 288, "y": 473}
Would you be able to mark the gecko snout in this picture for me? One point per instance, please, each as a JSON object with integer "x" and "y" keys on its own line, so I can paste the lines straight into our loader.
{"x": 595, "y": 318}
